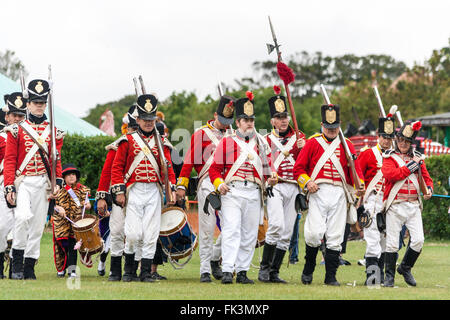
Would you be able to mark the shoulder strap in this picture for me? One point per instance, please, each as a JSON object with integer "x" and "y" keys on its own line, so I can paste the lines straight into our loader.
{"x": 328, "y": 151}
{"x": 246, "y": 150}
{"x": 284, "y": 150}
{"x": 145, "y": 152}
{"x": 398, "y": 185}
{"x": 378, "y": 176}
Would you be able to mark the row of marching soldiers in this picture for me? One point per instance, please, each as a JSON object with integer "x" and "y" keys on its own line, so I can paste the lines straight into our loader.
{"x": 239, "y": 171}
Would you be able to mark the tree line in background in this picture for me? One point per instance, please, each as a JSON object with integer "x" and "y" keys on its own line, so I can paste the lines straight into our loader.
{"x": 418, "y": 91}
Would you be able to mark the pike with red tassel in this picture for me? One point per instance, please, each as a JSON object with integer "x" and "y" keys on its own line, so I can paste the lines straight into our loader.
{"x": 286, "y": 74}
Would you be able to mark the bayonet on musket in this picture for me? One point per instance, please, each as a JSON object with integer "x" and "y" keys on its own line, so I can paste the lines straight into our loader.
{"x": 54, "y": 153}
{"x": 380, "y": 104}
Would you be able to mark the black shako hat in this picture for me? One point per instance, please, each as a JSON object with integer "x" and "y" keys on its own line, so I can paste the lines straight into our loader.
{"x": 147, "y": 106}
{"x": 244, "y": 107}
{"x": 131, "y": 115}
{"x": 225, "y": 110}
{"x": 38, "y": 90}
{"x": 15, "y": 103}
{"x": 410, "y": 130}
{"x": 70, "y": 168}
{"x": 277, "y": 104}
{"x": 330, "y": 116}
{"x": 386, "y": 126}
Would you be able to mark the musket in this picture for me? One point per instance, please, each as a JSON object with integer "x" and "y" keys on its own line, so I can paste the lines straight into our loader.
{"x": 24, "y": 88}
{"x": 270, "y": 48}
{"x": 350, "y": 157}
{"x": 422, "y": 184}
{"x": 380, "y": 104}
{"x": 54, "y": 152}
{"x": 164, "y": 163}
{"x": 136, "y": 89}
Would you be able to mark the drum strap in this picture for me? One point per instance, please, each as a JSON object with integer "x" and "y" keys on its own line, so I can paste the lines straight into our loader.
{"x": 73, "y": 195}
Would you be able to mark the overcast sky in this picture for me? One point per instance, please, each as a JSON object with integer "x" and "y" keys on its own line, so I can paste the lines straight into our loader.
{"x": 97, "y": 47}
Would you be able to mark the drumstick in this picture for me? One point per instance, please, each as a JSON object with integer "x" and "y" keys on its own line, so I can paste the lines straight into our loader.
{"x": 84, "y": 208}
{"x": 71, "y": 221}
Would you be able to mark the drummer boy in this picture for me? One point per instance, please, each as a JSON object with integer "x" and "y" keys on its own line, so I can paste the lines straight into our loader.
{"x": 70, "y": 205}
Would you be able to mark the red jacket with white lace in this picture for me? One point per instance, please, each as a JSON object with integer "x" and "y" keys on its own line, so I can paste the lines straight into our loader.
{"x": 310, "y": 155}
{"x": 19, "y": 143}
{"x": 285, "y": 169}
{"x": 225, "y": 156}
{"x": 145, "y": 172}
{"x": 393, "y": 172}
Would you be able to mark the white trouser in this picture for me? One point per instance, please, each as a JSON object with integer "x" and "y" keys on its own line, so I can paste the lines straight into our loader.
{"x": 30, "y": 215}
{"x": 375, "y": 241}
{"x": 282, "y": 215}
{"x": 143, "y": 218}
{"x": 408, "y": 214}
{"x": 137, "y": 249}
{"x": 116, "y": 231}
{"x": 239, "y": 219}
{"x": 327, "y": 215}
{"x": 6, "y": 221}
{"x": 206, "y": 226}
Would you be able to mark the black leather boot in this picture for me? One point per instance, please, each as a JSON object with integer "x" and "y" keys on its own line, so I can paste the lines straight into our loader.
{"x": 381, "y": 265}
{"x": 128, "y": 268}
{"x": 241, "y": 277}
{"x": 331, "y": 266}
{"x": 2, "y": 268}
{"x": 407, "y": 263}
{"x": 264, "y": 267}
{"x": 371, "y": 271}
{"x": 17, "y": 264}
{"x": 216, "y": 270}
{"x": 310, "y": 264}
{"x": 275, "y": 267}
{"x": 28, "y": 269}
{"x": 146, "y": 270}
{"x": 135, "y": 269}
{"x": 115, "y": 273}
{"x": 390, "y": 261}
{"x": 227, "y": 278}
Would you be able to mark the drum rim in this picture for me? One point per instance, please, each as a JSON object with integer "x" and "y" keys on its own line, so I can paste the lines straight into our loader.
{"x": 178, "y": 227}
{"x": 185, "y": 253}
{"x": 88, "y": 227}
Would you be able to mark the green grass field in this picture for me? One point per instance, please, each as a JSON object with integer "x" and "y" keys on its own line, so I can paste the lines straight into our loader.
{"x": 432, "y": 273}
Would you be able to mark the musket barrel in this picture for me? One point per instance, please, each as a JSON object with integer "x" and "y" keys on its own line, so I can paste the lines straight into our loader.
{"x": 380, "y": 104}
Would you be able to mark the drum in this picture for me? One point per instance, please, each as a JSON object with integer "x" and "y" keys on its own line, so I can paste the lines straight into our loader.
{"x": 176, "y": 236}
{"x": 87, "y": 230}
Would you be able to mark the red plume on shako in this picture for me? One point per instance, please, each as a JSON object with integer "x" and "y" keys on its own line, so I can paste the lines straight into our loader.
{"x": 417, "y": 125}
{"x": 276, "y": 89}
{"x": 249, "y": 95}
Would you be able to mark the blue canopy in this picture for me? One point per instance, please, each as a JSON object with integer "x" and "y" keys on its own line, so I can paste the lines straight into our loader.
{"x": 63, "y": 119}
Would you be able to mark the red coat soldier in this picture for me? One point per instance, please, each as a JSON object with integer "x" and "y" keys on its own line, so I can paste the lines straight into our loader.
{"x": 27, "y": 170}
{"x": 322, "y": 169}
{"x": 402, "y": 202}
{"x": 136, "y": 184}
